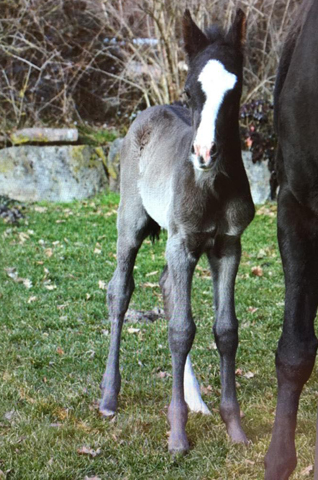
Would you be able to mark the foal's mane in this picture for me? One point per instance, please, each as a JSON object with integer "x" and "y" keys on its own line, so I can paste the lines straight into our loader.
{"x": 214, "y": 32}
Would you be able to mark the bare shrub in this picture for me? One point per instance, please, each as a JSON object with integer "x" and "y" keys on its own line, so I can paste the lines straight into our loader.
{"x": 89, "y": 60}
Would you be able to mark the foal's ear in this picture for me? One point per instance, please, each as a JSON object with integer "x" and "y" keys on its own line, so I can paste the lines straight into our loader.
{"x": 194, "y": 38}
{"x": 237, "y": 32}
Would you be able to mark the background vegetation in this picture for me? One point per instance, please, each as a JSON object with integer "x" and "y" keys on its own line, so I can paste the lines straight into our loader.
{"x": 55, "y": 266}
{"x": 66, "y": 61}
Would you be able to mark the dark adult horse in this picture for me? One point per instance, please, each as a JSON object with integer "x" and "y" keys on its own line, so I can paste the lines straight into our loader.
{"x": 182, "y": 170}
{"x": 296, "y": 114}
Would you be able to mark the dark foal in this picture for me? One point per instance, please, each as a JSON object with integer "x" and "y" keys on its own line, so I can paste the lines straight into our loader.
{"x": 182, "y": 170}
{"x": 296, "y": 119}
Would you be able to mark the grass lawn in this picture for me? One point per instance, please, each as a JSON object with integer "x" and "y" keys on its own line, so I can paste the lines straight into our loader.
{"x": 54, "y": 341}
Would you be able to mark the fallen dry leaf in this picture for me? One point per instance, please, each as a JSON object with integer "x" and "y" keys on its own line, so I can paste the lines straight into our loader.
{"x": 133, "y": 330}
{"x": 40, "y": 209}
{"x": 50, "y": 287}
{"x": 150, "y": 274}
{"x": 207, "y": 390}
{"x": 60, "y": 351}
{"x": 32, "y": 299}
{"x": 48, "y": 252}
{"x": 27, "y": 283}
{"x": 23, "y": 237}
{"x": 9, "y": 415}
{"x": 306, "y": 471}
{"x": 262, "y": 253}
{"x": 249, "y": 375}
{"x": 150, "y": 285}
{"x": 257, "y": 271}
{"x": 269, "y": 211}
{"x": 88, "y": 451}
{"x": 60, "y": 307}
{"x": 238, "y": 372}
{"x": 102, "y": 285}
{"x": 252, "y": 309}
{"x": 13, "y": 274}
{"x": 97, "y": 251}
{"x": 92, "y": 478}
{"x": 162, "y": 374}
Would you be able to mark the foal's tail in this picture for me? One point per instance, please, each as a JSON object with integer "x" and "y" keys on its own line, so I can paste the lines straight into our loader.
{"x": 153, "y": 230}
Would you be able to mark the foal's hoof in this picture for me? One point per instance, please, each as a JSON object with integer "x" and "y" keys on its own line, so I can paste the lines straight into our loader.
{"x": 108, "y": 406}
{"x": 178, "y": 444}
{"x": 106, "y": 413}
{"x": 237, "y": 434}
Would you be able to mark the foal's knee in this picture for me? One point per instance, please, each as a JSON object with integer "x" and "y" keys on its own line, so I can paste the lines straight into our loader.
{"x": 226, "y": 337}
{"x": 181, "y": 336}
{"x": 119, "y": 294}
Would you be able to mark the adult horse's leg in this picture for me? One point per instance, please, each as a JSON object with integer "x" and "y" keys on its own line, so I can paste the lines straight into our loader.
{"x": 181, "y": 264}
{"x": 132, "y": 229}
{"x": 224, "y": 260}
{"x": 295, "y": 357}
{"x": 192, "y": 393}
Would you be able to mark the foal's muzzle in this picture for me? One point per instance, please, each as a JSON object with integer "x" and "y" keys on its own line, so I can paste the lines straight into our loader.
{"x": 205, "y": 156}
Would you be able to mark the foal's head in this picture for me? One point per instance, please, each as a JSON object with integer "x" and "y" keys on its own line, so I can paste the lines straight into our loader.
{"x": 213, "y": 87}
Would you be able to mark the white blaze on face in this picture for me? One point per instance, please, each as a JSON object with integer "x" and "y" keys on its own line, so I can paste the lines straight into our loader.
{"x": 215, "y": 82}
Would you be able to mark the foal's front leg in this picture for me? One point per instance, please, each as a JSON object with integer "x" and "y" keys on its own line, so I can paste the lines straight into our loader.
{"x": 224, "y": 260}
{"x": 132, "y": 229}
{"x": 192, "y": 393}
{"x": 181, "y": 264}
{"x": 119, "y": 293}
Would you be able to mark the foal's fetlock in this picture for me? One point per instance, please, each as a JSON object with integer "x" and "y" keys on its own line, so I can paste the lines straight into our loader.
{"x": 110, "y": 391}
{"x": 178, "y": 416}
{"x": 178, "y": 442}
{"x": 108, "y": 404}
{"x": 231, "y": 417}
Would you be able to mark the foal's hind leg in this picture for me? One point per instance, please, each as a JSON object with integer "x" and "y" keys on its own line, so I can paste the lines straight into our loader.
{"x": 192, "y": 393}
{"x": 224, "y": 261}
{"x": 295, "y": 357}
{"x": 132, "y": 229}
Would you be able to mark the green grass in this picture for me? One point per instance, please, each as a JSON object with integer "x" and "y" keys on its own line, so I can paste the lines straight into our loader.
{"x": 54, "y": 344}
{"x": 95, "y": 137}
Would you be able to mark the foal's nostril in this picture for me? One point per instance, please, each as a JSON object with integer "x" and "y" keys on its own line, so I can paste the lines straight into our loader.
{"x": 192, "y": 149}
{"x": 213, "y": 150}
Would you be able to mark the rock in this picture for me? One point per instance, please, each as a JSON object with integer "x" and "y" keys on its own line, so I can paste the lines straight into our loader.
{"x": 44, "y": 135}
{"x": 259, "y": 178}
{"x": 149, "y": 316}
{"x": 113, "y": 164}
{"x": 53, "y": 173}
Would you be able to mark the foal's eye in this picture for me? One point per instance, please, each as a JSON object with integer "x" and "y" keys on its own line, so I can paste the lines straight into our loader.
{"x": 187, "y": 94}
